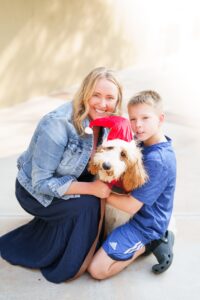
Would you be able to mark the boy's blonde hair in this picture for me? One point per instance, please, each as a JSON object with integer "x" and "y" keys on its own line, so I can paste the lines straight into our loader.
{"x": 149, "y": 97}
{"x": 82, "y": 96}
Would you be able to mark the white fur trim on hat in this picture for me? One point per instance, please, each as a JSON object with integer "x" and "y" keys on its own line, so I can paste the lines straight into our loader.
{"x": 88, "y": 130}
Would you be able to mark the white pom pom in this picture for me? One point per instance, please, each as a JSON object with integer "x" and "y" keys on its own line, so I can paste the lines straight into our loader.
{"x": 88, "y": 130}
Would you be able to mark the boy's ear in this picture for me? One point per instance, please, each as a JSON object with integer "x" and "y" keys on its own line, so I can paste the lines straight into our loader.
{"x": 162, "y": 118}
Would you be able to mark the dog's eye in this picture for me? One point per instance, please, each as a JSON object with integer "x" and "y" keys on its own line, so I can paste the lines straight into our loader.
{"x": 110, "y": 148}
{"x": 123, "y": 154}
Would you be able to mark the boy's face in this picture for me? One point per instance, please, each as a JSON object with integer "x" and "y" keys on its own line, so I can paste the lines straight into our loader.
{"x": 145, "y": 122}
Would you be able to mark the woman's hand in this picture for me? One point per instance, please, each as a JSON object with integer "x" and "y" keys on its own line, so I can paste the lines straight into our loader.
{"x": 96, "y": 188}
{"x": 100, "y": 189}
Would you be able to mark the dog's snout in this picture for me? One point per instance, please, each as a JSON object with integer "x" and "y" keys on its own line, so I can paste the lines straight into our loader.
{"x": 106, "y": 165}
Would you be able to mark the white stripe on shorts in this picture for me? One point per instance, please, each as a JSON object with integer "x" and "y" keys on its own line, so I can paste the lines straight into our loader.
{"x": 135, "y": 248}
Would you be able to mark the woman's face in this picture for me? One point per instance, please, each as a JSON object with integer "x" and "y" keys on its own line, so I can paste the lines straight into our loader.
{"x": 103, "y": 100}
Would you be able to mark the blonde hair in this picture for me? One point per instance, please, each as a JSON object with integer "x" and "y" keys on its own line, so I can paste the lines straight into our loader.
{"x": 149, "y": 97}
{"x": 82, "y": 96}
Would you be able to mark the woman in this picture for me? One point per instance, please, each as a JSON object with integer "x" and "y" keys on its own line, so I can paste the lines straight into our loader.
{"x": 54, "y": 186}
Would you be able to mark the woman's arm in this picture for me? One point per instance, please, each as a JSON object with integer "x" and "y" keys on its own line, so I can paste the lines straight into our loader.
{"x": 47, "y": 154}
{"x": 96, "y": 188}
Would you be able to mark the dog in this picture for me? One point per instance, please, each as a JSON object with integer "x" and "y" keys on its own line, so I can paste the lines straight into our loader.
{"x": 118, "y": 163}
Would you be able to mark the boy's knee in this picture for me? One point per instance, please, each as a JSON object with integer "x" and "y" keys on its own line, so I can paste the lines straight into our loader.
{"x": 96, "y": 273}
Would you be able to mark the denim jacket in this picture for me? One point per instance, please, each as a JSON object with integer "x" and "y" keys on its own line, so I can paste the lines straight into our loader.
{"x": 56, "y": 156}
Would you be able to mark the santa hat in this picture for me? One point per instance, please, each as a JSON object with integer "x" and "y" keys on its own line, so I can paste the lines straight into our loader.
{"x": 120, "y": 128}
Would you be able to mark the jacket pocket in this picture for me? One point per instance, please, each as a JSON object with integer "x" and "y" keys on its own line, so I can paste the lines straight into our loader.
{"x": 72, "y": 154}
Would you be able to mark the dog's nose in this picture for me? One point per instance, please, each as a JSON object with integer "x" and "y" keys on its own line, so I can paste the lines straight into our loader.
{"x": 106, "y": 165}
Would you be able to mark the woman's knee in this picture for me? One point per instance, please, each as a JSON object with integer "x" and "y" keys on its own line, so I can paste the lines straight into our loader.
{"x": 89, "y": 202}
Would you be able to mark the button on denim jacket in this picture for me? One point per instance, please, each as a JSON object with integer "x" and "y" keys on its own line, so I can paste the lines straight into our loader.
{"x": 56, "y": 156}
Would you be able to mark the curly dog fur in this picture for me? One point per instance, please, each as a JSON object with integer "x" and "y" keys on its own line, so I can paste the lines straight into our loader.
{"x": 121, "y": 161}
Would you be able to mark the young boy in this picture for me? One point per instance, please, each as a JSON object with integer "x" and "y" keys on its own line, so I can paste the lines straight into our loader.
{"x": 150, "y": 204}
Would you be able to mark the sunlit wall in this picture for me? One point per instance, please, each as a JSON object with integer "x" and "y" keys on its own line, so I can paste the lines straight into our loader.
{"x": 50, "y": 45}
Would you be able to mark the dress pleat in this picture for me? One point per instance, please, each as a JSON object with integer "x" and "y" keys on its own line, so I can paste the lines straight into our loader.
{"x": 57, "y": 239}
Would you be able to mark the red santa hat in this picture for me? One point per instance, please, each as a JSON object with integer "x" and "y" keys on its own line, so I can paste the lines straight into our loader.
{"x": 120, "y": 128}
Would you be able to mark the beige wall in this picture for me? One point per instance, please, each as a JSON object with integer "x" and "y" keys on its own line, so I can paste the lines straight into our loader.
{"x": 50, "y": 45}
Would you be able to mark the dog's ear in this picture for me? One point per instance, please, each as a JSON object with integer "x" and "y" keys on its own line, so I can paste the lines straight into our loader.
{"x": 92, "y": 168}
{"x": 135, "y": 175}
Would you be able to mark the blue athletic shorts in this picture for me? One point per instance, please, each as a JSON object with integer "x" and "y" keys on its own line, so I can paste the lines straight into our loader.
{"x": 123, "y": 242}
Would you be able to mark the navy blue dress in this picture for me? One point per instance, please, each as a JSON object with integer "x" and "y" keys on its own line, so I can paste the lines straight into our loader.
{"x": 58, "y": 238}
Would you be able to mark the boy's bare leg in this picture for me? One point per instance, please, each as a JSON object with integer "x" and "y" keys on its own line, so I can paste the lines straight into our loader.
{"x": 102, "y": 266}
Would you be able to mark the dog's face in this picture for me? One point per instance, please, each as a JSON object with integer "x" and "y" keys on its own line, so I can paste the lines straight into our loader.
{"x": 119, "y": 160}
{"x": 111, "y": 158}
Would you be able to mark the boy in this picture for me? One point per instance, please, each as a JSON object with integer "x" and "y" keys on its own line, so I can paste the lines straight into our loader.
{"x": 150, "y": 204}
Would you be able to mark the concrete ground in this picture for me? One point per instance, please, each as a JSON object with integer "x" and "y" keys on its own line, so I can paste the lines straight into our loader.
{"x": 137, "y": 282}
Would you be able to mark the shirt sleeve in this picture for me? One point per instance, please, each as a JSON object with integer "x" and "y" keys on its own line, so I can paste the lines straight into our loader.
{"x": 153, "y": 188}
{"x": 47, "y": 155}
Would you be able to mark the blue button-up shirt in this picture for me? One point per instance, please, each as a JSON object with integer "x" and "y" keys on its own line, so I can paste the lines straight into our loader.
{"x": 56, "y": 156}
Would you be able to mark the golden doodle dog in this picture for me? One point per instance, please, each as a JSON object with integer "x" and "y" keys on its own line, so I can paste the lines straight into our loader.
{"x": 118, "y": 163}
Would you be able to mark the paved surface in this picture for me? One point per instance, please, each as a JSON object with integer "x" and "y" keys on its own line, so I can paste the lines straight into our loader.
{"x": 137, "y": 282}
